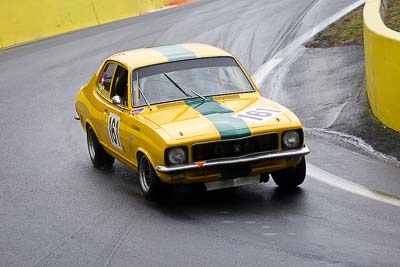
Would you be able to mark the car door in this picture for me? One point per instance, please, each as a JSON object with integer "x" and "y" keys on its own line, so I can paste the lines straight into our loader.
{"x": 117, "y": 113}
{"x": 102, "y": 95}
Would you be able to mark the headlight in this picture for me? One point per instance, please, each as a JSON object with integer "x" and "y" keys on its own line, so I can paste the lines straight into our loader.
{"x": 176, "y": 155}
{"x": 291, "y": 139}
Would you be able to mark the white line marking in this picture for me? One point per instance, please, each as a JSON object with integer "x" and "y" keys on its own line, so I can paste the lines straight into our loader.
{"x": 340, "y": 183}
{"x": 261, "y": 74}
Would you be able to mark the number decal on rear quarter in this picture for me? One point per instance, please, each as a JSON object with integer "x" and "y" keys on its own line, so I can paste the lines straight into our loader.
{"x": 113, "y": 130}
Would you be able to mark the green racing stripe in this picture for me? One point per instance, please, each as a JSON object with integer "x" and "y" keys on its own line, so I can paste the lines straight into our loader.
{"x": 228, "y": 126}
{"x": 175, "y": 52}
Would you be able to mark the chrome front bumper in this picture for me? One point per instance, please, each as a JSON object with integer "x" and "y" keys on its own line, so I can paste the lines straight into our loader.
{"x": 230, "y": 161}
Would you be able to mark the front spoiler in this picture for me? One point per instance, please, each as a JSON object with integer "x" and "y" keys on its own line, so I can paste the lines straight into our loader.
{"x": 230, "y": 161}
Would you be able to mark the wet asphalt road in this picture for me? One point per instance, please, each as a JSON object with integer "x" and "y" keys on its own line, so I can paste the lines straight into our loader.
{"x": 56, "y": 209}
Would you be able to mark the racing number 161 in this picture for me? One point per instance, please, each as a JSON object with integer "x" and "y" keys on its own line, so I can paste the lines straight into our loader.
{"x": 258, "y": 114}
{"x": 113, "y": 130}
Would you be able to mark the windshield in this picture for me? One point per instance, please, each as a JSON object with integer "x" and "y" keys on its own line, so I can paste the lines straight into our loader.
{"x": 188, "y": 79}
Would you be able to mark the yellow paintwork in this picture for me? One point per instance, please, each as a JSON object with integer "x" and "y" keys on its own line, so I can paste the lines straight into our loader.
{"x": 24, "y": 21}
{"x": 175, "y": 123}
{"x": 382, "y": 57}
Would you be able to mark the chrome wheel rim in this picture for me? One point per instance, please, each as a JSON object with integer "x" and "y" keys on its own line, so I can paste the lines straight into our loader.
{"x": 91, "y": 148}
{"x": 145, "y": 174}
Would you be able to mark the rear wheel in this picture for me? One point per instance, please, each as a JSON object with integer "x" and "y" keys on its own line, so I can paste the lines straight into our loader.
{"x": 292, "y": 176}
{"x": 150, "y": 183}
{"x": 99, "y": 157}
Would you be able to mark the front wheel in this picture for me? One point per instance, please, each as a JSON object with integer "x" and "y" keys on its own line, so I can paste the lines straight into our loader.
{"x": 99, "y": 157}
{"x": 150, "y": 184}
{"x": 292, "y": 176}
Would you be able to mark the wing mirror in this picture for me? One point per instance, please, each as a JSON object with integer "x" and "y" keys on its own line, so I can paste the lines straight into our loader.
{"x": 116, "y": 100}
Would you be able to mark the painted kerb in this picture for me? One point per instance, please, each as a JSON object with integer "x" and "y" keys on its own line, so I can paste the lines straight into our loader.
{"x": 382, "y": 65}
{"x": 26, "y": 20}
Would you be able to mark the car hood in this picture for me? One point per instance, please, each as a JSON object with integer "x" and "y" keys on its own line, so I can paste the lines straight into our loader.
{"x": 217, "y": 118}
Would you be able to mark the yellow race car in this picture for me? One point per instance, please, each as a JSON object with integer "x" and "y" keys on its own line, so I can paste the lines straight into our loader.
{"x": 188, "y": 113}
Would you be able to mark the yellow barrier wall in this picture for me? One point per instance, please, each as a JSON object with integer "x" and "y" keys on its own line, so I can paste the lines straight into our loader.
{"x": 26, "y": 20}
{"x": 382, "y": 65}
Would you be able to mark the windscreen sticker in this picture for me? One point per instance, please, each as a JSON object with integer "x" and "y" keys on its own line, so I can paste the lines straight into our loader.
{"x": 113, "y": 130}
{"x": 258, "y": 115}
{"x": 137, "y": 111}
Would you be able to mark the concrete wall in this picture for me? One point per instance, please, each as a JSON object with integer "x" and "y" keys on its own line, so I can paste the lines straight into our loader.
{"x": 382, "y": 65}
{"x": 26, "y": 20}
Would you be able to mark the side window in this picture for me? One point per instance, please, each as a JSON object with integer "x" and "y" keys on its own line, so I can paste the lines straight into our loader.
{"x": 104, "y": 82}
{"x": 120, "y": 84}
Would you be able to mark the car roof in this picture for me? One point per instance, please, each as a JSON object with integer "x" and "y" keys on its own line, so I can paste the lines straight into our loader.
{"x": 137, "y": 58}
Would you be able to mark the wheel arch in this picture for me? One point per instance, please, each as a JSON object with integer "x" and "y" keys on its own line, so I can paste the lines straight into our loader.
{"x": 88, "y": 125}
{"x": 142, "y": 152}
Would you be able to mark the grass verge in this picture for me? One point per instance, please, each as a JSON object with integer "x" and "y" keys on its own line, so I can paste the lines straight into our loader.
{"x": 392, "y": 18}
{"x": 347, "y": 31}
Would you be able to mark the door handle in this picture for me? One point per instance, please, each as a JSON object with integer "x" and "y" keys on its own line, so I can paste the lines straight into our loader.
{"x": 105, "y": 110}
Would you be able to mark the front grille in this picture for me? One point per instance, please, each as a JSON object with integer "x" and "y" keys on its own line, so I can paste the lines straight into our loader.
{"x": 235, "y": 147}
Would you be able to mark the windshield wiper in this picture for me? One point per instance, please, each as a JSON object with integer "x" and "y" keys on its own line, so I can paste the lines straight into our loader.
{"x": 202, "y": 97}
{"x": 176, "y": 85}
{"x": 181, "y": 89}
{"x": 140, "y": 90}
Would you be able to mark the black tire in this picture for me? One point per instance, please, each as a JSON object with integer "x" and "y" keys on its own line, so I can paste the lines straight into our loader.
{"x": 150, "y": 184}
{"x": 291, "y": 177}
{"x": 99, "y": 157}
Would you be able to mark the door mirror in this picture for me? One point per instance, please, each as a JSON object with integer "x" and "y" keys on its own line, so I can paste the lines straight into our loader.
{"x": 116, "y": 100}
